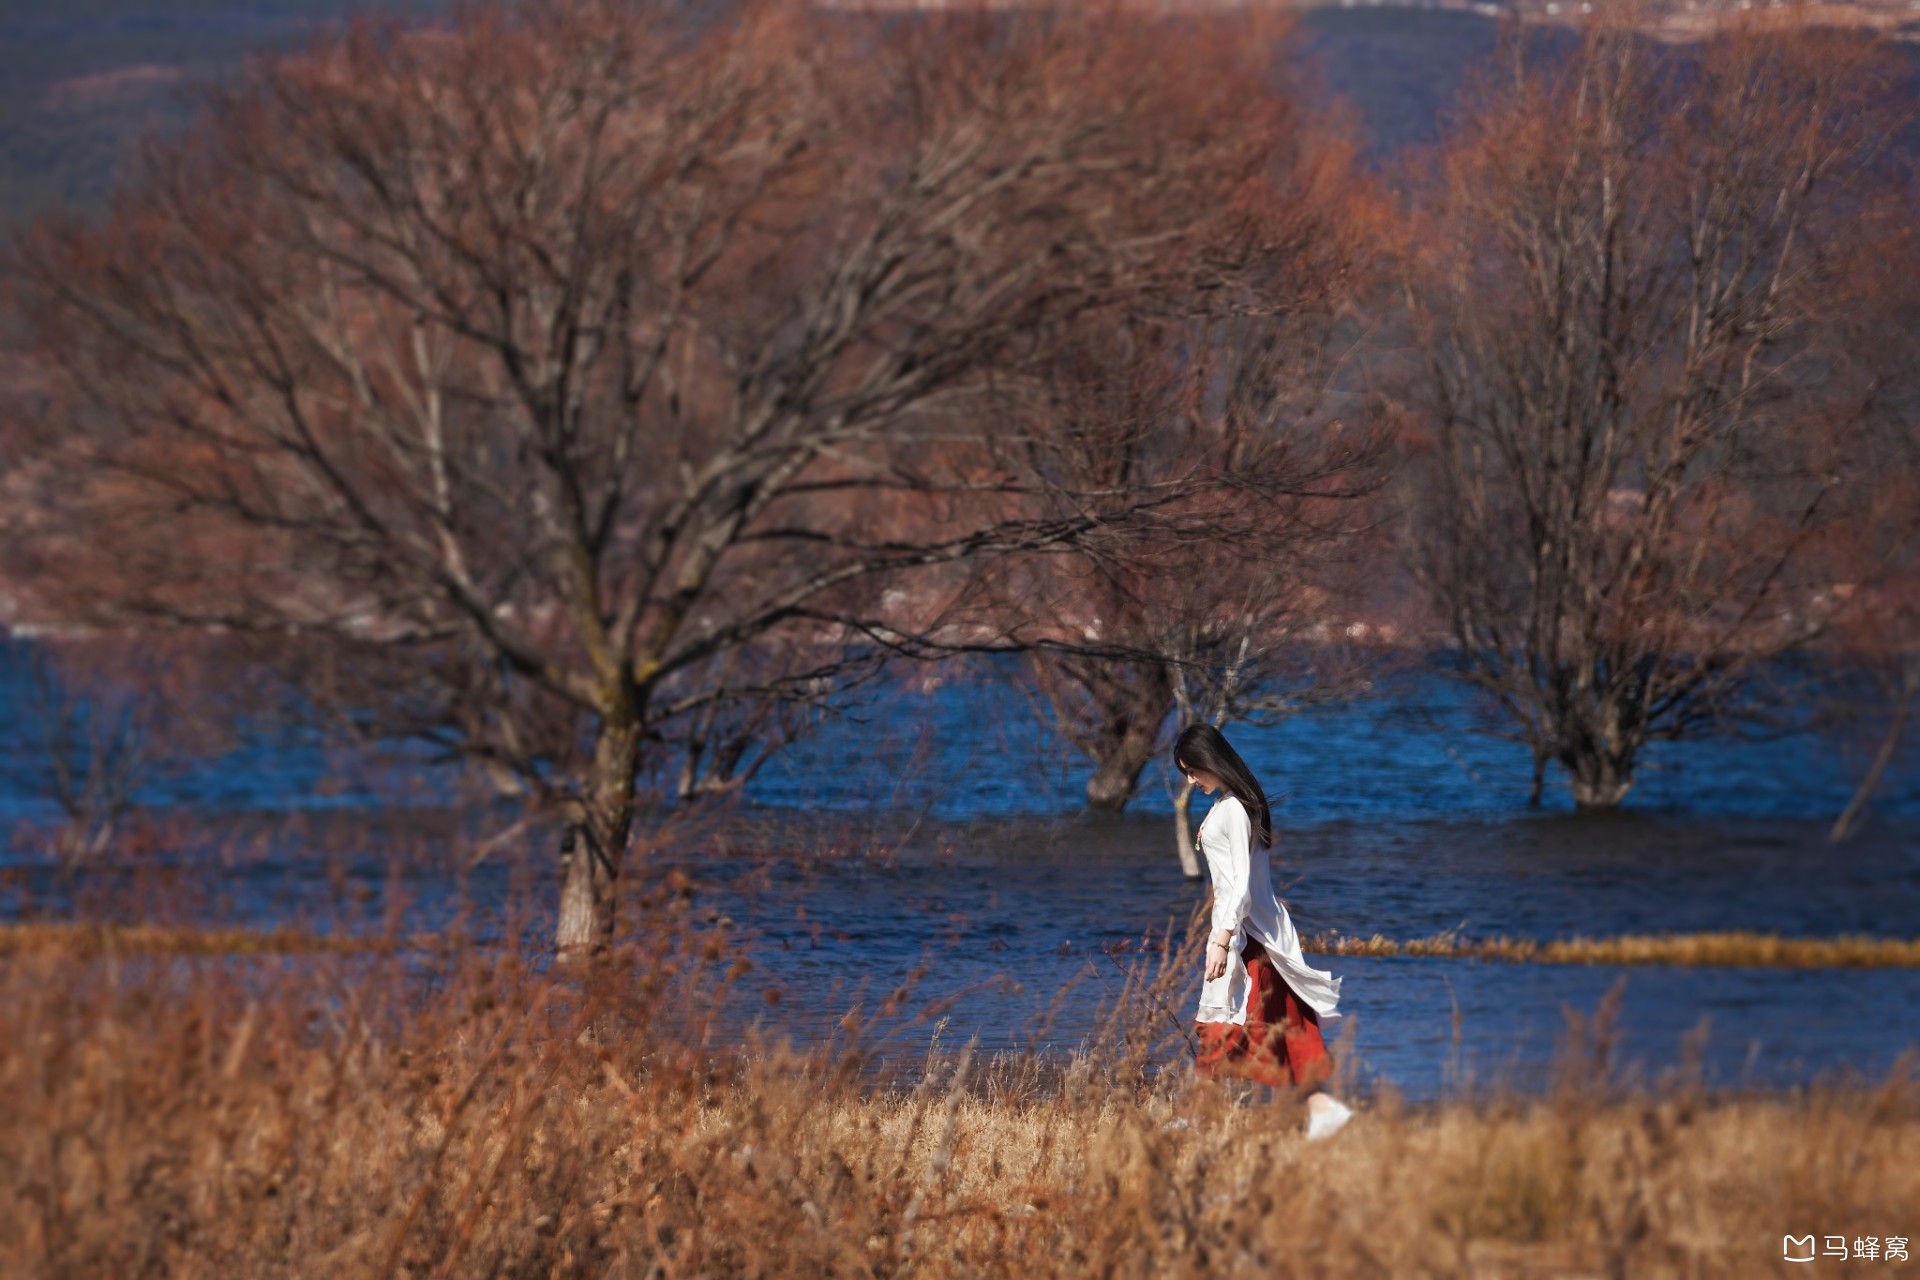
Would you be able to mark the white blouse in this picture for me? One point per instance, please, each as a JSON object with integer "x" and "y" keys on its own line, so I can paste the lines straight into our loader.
{"x": 1244, "y": 901}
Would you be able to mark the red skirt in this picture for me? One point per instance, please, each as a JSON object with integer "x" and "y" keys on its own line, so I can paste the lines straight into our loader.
{"x": 1281, "y": 1042}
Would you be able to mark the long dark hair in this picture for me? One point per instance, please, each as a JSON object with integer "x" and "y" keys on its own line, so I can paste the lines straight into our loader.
{"x": 1204, "y": 749}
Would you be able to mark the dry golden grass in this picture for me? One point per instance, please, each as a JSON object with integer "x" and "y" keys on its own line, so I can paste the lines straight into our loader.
{"x": 1735, "y": 949}
{"x": 466, "y": 1114}
{"x": 89, "y": 938}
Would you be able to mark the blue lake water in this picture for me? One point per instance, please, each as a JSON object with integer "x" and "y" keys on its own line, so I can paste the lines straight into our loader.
{"x": 940, "y": 829}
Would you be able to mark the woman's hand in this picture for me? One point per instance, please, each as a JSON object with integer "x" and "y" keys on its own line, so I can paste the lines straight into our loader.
{"x": 1216, "y": 958}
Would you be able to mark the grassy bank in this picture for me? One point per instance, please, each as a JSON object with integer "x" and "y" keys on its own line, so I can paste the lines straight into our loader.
{"x": 465, "y": 1115}
{"x": 1730, "y": 949}
{"x": 87, "y": 938}
{"x": 1735, "y": 949}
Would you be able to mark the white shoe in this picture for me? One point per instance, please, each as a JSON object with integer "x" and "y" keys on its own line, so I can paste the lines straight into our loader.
{"x": 1327, "y": 1119}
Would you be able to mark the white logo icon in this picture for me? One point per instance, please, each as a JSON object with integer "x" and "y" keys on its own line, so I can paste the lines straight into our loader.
{"x": 1870, "y": 1248}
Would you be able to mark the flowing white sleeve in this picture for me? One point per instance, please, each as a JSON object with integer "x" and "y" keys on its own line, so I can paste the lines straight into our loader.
{"x": 1231, "y": 899}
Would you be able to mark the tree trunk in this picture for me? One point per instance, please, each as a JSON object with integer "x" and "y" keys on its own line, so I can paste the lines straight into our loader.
{"x": 1896, "y": 729}
{"x": 1117, "y": 775}
{"x": 595, "y": 841}
{"x": 1600, "y": 781}
{"x": 1183, "y": 830}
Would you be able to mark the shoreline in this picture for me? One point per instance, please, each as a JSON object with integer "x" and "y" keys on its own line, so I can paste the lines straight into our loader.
{"x": 1731, "y": 949}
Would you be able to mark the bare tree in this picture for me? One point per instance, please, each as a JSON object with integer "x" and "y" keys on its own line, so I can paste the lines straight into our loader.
{"x": 1113, "y": 709}
{"x": 1225, "y": 619}
{"x": 1264, "y": 651}
{"x": 1114, "y": 399}
{"x": 1900, "y": 692}
{"x": 774, "y": 693}
{"x": 551, "y": 355}
{"x": 1874, "y": 653}
{"x": 97, "y": 742}
{"x": 1639, "y": 278}
{"x": 115, "y": 719}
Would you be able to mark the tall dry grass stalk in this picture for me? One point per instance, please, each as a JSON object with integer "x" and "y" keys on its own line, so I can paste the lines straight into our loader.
{"x": 471, "y": 1114}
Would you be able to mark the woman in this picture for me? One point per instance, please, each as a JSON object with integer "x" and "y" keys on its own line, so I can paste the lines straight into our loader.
{"x": 1261, "y": 1005}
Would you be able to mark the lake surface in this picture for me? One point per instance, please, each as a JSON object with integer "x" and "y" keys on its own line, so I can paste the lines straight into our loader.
{"x": 938, "y": 829}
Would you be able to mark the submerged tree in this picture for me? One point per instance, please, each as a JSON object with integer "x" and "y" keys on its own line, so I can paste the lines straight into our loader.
{"x": 110, "y": 723}
{"x": 1228, "y": 616}
{"x": 551, "y": 357}
{"x": 1638, "y": 284}
{"x": 96, "y": 731}
{"x": 1873, "y": 666}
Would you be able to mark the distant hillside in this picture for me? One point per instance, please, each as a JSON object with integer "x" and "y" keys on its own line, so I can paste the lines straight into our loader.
{"x": 79, "y": 87}
{"x": 82, "y": 80}
{"x": 1402, "y": 68}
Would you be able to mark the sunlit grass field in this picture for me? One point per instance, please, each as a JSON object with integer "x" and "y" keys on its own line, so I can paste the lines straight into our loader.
{"x": 474, "y": 1113}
